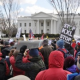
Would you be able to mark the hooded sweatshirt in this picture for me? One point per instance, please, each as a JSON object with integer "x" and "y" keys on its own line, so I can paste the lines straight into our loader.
{"x": 55, "y": 71}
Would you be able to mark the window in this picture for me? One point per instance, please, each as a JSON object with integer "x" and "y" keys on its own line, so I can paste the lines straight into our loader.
{"x": 25, "y": 31}
{"x": 47, "y": 23}
{"x": 47, "y": 29}
{"x": 41, "y": 24}
{"x": 29, "y": 24}
{"x": 25, "y": 24}
{"x": 41, "y": 31}
{"x": 20, "y": 24}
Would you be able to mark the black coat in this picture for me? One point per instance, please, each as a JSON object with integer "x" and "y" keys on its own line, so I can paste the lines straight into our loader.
{"x": 46, "y": 50}
{"x": 31, "y": 68}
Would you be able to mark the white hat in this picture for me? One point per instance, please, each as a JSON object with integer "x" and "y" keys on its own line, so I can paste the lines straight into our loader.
{"x": 19, "y": 77}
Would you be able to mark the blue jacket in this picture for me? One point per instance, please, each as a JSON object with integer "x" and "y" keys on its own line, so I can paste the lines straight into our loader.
{"x": 72, "y": 68}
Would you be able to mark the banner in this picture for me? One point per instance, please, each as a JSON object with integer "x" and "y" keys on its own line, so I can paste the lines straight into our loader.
{"x": 67, "y": 33}
{"x": 24, "y": 37}
{"x": 18, "y": 33}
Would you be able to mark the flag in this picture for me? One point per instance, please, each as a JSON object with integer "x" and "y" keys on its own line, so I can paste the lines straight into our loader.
{"x": 31, "y": 35}
{"x": 18, "y": 33}
{"x": 42, "y": 37}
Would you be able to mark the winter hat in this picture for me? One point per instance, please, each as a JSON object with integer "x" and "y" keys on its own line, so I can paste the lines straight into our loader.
{"x": 45, "y": 42}
{"x": 6, "y": 43}
{"x": 60, "y": 43}
{"x": 19, "y": 77}
{"x": 69, "y": 61}
{"x": 34, "y": 52}
{"x": 23, "y": 48}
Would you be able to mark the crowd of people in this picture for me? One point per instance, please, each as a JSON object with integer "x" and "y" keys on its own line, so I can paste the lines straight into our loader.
{"x": 53, "y": 61}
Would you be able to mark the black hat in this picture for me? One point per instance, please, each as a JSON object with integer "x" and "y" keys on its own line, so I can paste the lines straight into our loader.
{"x": 23, "y": 48}
{"x": 6, "y": 43}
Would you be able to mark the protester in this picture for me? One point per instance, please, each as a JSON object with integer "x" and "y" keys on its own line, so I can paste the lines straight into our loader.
{"x": 6, "y": 50}
{"x": 77, "y": 52}
{"x": 60, "y": 47}
{"x": 69, "y": 64}
{"x": 31, "y": 68}
{"x": 4, "y": 69}
{"x": 78, "y": 63}
{"x": 45, "y": 52}
{"x": 73, "y": 44}
{"x": 16, "y": 71}
{"x": 54, "y": 44}
{"x": 55, "y": 71}
{"x": 69, "y": 48}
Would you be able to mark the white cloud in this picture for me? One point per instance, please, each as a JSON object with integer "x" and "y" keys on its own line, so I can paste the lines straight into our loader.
{"x": 0, "y": 3}
{"x": 36, "y": 9}
{"x": 28, "y": 1}
{"x": 21, "y": 10}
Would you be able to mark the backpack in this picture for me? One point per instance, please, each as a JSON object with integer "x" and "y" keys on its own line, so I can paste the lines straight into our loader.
{"x": 66, "y": 54}
{"x": 2, "y": 69}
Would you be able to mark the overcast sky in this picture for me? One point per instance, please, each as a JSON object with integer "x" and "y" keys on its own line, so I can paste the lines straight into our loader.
{"x": 28, "y": 7}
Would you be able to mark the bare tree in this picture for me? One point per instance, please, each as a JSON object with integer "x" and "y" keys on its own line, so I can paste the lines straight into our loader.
{"x": 66, "y": 9}
{"x": 10, "y": 12}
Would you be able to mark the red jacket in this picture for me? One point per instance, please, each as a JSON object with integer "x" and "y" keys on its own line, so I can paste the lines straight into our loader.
{"x": 55, "y": 71}
{"x": 7, "y": 68}
{"x": 16, "y": 71}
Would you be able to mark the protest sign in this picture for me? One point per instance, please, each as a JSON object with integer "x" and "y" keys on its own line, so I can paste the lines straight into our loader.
{"x": 67, "y": 33}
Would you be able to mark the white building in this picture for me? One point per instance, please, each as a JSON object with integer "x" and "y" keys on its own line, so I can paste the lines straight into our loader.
{"x": 44, "y": 23}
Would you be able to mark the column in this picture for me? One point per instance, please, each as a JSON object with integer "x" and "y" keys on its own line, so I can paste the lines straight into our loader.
{"x": 52, "y": 27}
{"x": 37, "y": 27}
{"x": 33, "y": 27}
{"x": 55, "y": 27}
{"x": 44, "y": 26}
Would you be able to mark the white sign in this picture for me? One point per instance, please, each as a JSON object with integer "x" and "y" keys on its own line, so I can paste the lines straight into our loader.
{"x": 24, "y": 37}
{"x": 67, "y": 33}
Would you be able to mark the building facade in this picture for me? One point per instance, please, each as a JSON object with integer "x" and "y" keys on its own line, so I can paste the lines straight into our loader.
{"x": 44, "y": 23}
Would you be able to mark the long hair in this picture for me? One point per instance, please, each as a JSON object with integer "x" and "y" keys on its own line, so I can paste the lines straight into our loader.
{"x": 11, "y": 52}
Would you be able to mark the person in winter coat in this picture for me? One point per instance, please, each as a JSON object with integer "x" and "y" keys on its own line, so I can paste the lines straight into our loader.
{"x": 69, "y": 48}
{"x": 6, "y": 50}
{"x": 69, "y": 64}
{"x": 60, "y": 47}
{"x": 4, "y": 73}
{"x": 55, "y": 71}
{"x": 16, "y": 71}
{"x": 31, "y": 68}
{"x": 45, "y": 51}
{"x": 77, "y": 52}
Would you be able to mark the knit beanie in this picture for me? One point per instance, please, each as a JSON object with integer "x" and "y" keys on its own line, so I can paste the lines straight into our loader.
{"x": 23, "y": 48}
{"x": 60, "y": 43}
{"x": 34, "y": 52}
{"x": 69, "y": 61}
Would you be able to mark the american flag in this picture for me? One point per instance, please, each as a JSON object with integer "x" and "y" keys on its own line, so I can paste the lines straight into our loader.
{"x": 31, "y": 34}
